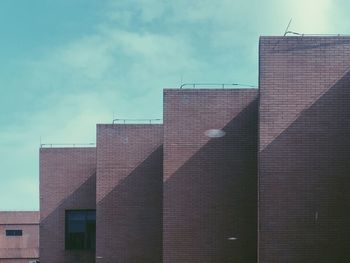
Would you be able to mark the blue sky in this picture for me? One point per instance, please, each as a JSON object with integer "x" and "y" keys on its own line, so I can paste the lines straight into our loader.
{"x": 67, "y": 65}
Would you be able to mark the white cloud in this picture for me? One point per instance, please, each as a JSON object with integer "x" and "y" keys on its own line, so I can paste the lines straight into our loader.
{"x": 141, "y": 47}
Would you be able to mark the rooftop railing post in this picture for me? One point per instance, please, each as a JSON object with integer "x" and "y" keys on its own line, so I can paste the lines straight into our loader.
{"x": 53, "y": 145}
{"x": 222, "y": 85}
{"x": 125, "y": 121}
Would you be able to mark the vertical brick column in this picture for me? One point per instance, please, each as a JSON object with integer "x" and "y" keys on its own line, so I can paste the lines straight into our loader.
{"x": 210, "y": 175}
{"x": 129, "y": 193}
{"x": 67, "y": 181}
{"x": 304, "y": 149}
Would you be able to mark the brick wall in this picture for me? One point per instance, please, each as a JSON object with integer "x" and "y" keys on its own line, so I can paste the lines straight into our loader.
{"x": 67, "y": 181}
{"x": 304, "y": 149}
{"x": 129, "y": 193}
{"x": 210, "y": 183}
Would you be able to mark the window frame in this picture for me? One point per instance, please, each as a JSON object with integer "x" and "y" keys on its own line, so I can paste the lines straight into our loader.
{"x": 67, "y": 245}
{"x": 15, "y": 232}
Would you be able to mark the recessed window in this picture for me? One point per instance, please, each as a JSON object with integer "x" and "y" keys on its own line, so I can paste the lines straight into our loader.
{"x": 80, "y": 229}
{"x": 14, "y": 233}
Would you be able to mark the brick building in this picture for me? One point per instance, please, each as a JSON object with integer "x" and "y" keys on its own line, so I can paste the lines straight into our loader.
{"x": 232, "y": 175}
{"x": 129, "y": 192}
{"x": 210, "y": 174}
{"x": 19, "y": 237}
{"x": 67, "y": 194}
{"x": 304, "y": 165}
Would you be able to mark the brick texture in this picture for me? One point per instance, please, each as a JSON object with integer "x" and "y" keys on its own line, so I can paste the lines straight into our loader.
{"x": 210, "y": 186}
{"x": 304, "y": 149}
{"x": 67, "y": 181}
{"x": 129, "y": 193}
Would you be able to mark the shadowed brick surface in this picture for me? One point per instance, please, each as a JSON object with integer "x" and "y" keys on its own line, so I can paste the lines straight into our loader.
{"x": 304, "y": 149}
{"x": 210, "y": 183}
{"x": 129, "y": 193}
{"x": 67, "y": 181}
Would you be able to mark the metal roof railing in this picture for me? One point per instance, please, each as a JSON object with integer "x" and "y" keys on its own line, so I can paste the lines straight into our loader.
{"x": 136, "y": 121}
{"x": 287, "y": 31}
{"x": 62, "y": 145}
{"x": 222, "y": 85}
{"x": 313, "y": 35}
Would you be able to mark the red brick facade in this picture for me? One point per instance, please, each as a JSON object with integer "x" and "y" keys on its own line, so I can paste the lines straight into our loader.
{"x": 208, "y": 204}
{"x": 129, "y": 193}
{"x": 210, "y": 183}
{"x": 304, "y": 149}
{"x": 67, "y": 181}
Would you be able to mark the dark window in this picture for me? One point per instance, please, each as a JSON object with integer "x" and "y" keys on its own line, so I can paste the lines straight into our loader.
{"x": 80, "y": 229}
{"x": 13, "y": 233}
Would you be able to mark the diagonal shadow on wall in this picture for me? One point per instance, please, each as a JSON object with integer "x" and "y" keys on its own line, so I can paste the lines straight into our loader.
{"x": 210, "y": 203}
{"x": 129, "y": 218}
{"x": 52, "y": 227}
{"x": 304, "y": 185}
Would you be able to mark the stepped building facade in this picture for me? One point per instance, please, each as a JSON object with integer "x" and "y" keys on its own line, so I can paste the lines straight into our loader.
{"x": 231, "y": 175}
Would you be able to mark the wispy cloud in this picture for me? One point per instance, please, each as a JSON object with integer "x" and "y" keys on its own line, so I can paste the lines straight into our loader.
{"x": 121, "y": 64}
